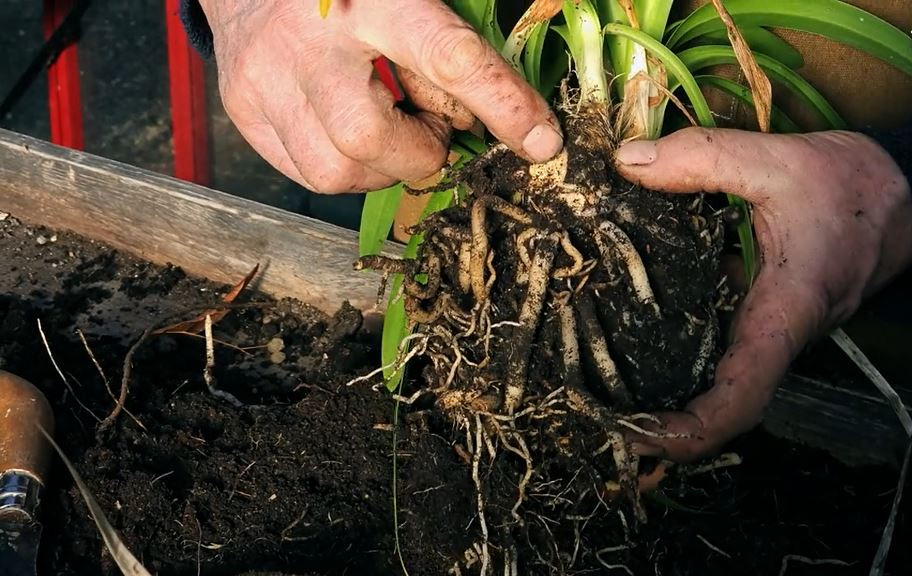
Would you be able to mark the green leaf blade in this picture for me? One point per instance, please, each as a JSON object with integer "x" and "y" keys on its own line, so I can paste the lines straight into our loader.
{"x": 781, "y": 123}
{"x": 377, "y": 217}
{"x": 760, "y": 40}
{"x": 831, "y": 19}
{"x": 702, "y": 57}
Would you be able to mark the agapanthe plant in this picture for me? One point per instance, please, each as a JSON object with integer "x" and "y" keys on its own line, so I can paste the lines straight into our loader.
{"x": 627, "y": 55}
{"x": 553, "y": 305}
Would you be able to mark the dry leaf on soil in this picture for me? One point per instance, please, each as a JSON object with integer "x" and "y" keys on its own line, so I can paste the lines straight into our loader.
{"x": 196, "y": 325}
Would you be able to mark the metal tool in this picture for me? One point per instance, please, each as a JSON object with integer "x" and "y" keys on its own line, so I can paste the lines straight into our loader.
{"x": 24, "y": 460}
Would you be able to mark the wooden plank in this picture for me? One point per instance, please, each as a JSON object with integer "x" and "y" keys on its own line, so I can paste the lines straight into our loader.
{"x": 856, "y": 426}
{"x": 164, "y": 220}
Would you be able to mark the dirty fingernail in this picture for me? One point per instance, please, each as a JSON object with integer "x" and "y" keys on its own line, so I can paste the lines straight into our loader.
{"x": 637, "y": 153}
{"x": 543, "y": 143}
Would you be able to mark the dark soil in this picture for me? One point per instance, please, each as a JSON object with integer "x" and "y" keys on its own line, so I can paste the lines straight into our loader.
{"x": 299, "y": 481}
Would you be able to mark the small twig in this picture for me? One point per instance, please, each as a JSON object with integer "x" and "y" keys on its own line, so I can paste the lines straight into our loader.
{"x": 104, "y": 378}
{"x": 712, "y": 547}
{"x": 723, "y": 461}
{"x": 208, "y": 375}
{"x": 237, "y": 481}
{"x": 60, "y": 373}
{"x": 810, "y": 561}
{"x": 159, "y": 477}
{"x": 124, "y": 381}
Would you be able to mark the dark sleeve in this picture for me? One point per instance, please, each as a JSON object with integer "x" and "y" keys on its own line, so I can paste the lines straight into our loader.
{"x": 197, "y": 27}
{"x": 899, "y": 144}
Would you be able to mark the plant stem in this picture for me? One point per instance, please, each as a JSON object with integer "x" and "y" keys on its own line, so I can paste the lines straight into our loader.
{"x": 584, "y": 37}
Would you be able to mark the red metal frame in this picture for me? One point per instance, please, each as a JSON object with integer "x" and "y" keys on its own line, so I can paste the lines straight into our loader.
{"x": 64, "y": 100}
{"x": 189, "y": 121}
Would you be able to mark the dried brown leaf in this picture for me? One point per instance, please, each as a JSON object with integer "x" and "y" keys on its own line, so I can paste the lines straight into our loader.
{"x": 196, "y": 325}
{"x": 539, "y": 11}
{"x": 760, "y": 86}
{"x": 627, "y": 5}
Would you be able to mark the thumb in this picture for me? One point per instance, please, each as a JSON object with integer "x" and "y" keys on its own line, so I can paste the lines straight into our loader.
{"x": 776, "y": 320}
{"x": 701, "y": 160}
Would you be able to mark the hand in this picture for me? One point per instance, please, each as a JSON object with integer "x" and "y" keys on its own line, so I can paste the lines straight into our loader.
{"x": 300, "y": 89}
{"x": 833, "y": 218}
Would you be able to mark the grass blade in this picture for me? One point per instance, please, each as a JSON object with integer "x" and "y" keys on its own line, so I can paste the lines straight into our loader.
{"x": 780, "y": 121}
{"x": 701, "y": 57}
{"x": 832, "y": 19}
{"x": 377, "y": 218}
{"x": 124, "y": 559}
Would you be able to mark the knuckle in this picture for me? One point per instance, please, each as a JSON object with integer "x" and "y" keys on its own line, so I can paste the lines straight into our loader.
{"x": 361, "y": 137}
{"x": 329, "y": 182}
{"x": 456, "y": 55}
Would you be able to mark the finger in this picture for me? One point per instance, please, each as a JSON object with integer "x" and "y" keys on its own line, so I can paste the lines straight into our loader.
{"x": 312, "y": 153}
{"x": 776, "y": 320}
{"x": 437, "y": 44}
{"x": 429, "y": 97}
{"x": 361, "y": 119}
{"x": 706, "y": 160}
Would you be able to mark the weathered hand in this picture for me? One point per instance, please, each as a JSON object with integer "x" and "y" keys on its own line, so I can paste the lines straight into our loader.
{"x": 300, "y": 89}
{"x": 833, "y": 217}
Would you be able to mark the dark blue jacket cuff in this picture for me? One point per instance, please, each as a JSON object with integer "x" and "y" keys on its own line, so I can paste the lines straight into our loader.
{"x": 197, "y": 27}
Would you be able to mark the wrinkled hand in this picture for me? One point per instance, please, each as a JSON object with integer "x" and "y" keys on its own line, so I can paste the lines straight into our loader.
{"x": 300, "y": 89}
{"x": 833, "y": 217}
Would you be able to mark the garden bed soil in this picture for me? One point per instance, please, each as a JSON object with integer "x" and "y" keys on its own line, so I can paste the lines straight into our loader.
{"x": 299, "y": 480}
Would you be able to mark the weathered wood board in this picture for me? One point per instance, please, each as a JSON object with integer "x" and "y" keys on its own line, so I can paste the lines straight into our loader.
{"x": 218, "y": 236}
{"x": 164, "y": 220}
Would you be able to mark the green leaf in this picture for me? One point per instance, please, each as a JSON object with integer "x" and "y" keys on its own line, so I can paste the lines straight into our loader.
{"x": 653, "y": 16}
{"x": 377, "y": 217}
{"x": 760, "y": 40}
{"x": 395, "y": 329}
{"x": 832, "y": 19}
{"x": 780, "y": 121}
{"x": 674, "y": 65}
{"x": 472, "y": 11}
{"x": 702, "y": 57}
{"x": 532, "y": 57}
{"x": 490, "y": 29}
{"x": 618, "y": 47}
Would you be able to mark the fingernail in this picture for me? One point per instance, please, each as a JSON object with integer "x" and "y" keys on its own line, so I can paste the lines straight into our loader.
{"x": 543, "y": 143}
{"x": 637, "y": 153}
